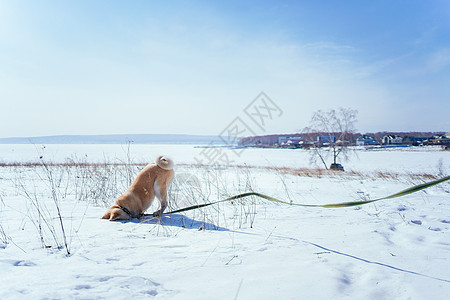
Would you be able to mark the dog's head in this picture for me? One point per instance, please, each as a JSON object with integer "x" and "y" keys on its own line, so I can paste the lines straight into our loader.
{"x": 116, "y": 213}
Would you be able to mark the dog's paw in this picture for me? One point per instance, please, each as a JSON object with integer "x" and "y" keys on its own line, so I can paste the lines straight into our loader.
{"x": 157, "y": 213}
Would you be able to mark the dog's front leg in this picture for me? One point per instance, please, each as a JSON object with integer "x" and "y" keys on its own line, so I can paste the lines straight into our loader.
{"x": 160, "y": 211}
{"x": 161, "y": 194}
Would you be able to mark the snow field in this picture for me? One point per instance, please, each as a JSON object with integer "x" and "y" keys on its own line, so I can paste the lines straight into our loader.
{"x": 252, "y": 249}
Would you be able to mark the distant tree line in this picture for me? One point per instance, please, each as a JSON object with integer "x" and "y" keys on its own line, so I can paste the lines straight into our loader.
{"x": 272, "y": 140}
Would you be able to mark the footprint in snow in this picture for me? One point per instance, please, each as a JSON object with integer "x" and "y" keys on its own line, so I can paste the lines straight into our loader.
{"x": 402, "y": 208}
{"x": 434, "y": 228}
{"x": 83, "y": 287}
{"x": 106, "y": 278}
{"x": 344, "y": 282}
{"x": 134, "y": 286}
{"x": 24, "y": 263}
{"x": 18, "y": 263}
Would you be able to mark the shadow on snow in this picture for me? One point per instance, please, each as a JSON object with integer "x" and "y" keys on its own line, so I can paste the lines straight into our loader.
{"x": 181, "y": 221}
{"x": 177, "y": 220}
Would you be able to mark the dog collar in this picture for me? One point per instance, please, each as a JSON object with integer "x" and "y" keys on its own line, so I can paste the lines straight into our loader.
{"x": 130, "y": 213}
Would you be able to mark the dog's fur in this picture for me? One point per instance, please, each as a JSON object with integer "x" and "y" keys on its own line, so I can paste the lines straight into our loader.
{"x": 152, "y": 181}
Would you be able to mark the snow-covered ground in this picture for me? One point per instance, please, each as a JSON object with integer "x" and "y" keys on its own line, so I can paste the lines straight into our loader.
{"x": 422, "y": 159}
{"x": 252, "y": 249}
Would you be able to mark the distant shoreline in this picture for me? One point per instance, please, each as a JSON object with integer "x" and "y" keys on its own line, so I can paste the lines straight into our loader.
{"x": 181, "y": 139}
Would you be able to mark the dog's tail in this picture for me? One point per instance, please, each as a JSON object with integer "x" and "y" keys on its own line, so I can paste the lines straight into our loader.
{"x": 164, "y": 162}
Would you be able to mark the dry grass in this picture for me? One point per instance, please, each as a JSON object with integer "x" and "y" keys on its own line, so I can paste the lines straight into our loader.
{"x": 70, "y": 163}
{"x": 100, "y": 183}
{"x": 74, "y": 180}
{"x": 321, "y": 173}
{"x": 96, "y": 168}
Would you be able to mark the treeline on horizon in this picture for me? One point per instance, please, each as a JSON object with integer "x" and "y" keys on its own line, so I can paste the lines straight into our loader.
{"x": 272, "y": 139}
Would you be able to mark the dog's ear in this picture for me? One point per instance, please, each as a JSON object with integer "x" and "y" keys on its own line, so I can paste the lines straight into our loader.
{"x": 107, "y": 215}
{"x": 118, "y": 214}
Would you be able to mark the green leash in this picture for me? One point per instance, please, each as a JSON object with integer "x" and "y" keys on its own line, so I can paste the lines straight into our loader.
{"x": 408, "y": 191}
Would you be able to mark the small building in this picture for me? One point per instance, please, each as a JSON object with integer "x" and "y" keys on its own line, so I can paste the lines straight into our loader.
{"x": 290, "y": 141}
{"x": 446, "y": 144}
{"x": 285, "y": 139}
{"x": 365, "y": 140}
{"x": 325, "y": 140}
{"x": 392, "y": 140}
{"x": 414, "y": 141}
{"x": 441, "y": 140}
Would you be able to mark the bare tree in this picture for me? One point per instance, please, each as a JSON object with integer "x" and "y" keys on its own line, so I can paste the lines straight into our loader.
{"x": 333, "y": 132}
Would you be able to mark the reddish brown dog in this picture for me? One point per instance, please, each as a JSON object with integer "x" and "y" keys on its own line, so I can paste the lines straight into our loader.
{"x": 152, "y": 181}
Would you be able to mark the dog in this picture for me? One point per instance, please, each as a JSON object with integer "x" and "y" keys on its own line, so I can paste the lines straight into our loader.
{"x": 152, "y": 181}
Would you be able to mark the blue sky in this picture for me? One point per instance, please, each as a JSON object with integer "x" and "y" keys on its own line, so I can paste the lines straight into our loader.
{"x": 106, "y": 67}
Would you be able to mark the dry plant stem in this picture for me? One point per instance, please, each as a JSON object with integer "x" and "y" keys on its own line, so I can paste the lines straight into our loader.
{"x": 56, "y": 201}
{"x": 41, "y": 219}
{"x": 4, "y": 238}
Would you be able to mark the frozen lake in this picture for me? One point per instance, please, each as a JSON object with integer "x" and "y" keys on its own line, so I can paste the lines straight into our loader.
{"x": 414, "y": 159}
